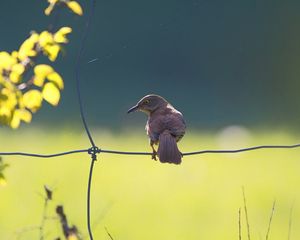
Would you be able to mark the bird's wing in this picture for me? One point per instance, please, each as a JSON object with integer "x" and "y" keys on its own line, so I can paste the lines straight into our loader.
{"x": 174, "y": 122}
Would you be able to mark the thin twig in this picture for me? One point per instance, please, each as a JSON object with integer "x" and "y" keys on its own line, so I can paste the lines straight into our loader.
{"x": 246, "y": 214}
{"x": 41, "y": 228}
{"x": 110, "y": 236}
{"x": 290, "y": 222}
{"x": 270, "y": 220}
{"x": 22, "y": 231}
{"x": 240, "y": 225}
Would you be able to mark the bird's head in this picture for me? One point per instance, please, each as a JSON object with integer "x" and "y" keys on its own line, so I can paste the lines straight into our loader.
{"x": 149, "y": 104}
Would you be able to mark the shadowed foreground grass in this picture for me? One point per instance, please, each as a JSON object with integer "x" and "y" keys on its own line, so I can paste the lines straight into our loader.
{"x": 137, "y": 198}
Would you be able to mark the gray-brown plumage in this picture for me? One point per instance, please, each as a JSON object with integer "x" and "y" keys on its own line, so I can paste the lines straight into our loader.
{"x": 165, "y": 126}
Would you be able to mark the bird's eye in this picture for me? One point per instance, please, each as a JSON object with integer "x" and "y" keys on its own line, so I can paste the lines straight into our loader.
{"x": 146, "y": 101}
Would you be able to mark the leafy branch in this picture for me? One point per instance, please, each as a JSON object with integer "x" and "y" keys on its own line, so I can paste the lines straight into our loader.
{"x": 24, "y": 84}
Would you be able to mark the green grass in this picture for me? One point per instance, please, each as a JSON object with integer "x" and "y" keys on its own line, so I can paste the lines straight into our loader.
{"x": 137, "y": 198}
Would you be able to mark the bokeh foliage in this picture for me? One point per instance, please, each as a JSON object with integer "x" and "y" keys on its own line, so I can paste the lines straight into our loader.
{"x": 24, "y": 82}
{"x": 138, "y": 198}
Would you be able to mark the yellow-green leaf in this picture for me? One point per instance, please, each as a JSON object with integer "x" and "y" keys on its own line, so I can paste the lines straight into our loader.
{"x": 24, "y": 115}
{"x": 5, "y": 114}
{"x": 20, "y": 114}
{"x": 33, "y": 100}
{"x": 57, "y": 79}
{"x": 75, "y": 7}
{"x": 16, "y": 72}
{"x": 52, "y": 51}
{"x": 38, "y": 80}
{"x": 18, "y": 68}
{"x": 15, "y": 77}
{"x": 51, "y": 6}
{"x": 27, "y": 49}
{"x": 43, "y": 69}
{"x": 15, "y": 122}
{"x": 6, "y": 60}
{"x": 2, "y": 181}
{"x": 51, "y": 93}
{"x": 60, "y": 35}
{"x": 45, "y": 38}
{"x": 8, "y": 98}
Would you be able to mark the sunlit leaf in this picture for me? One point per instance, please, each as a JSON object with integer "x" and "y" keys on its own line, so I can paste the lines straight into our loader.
{"x": 75, "y": 7}
{"x": 72, "y": 237}
{"x": 60, "y": 35}
{"x": 52, "y": 51}
{"x": 33, "y": 100}
{"x": 51, "y": 93}
{"x": 14, "y": 54}
{"x": 57, "y": 79}
{"x": 49, "y": 9}
{"x": 45, "y": 39}
{"x": 6, "y": 60}
{"x": 42, "y": 70}
{"x": 5, "y": 114}
{"x": 15, "y": 122}
{"x": 15, "y": 77}
{"x": 18, "y": 68}
{"x": 16, "y": 71}
{"x": 39, "y": 80}
{"x": 8, "y": 99}
{"x": 27, "y": 47}
{"x": 24, "y": 115}
{"x": 3, "y": 181}
{"x": 51, "y": 6}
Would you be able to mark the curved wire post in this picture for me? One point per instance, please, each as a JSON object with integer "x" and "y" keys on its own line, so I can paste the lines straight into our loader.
{"x": 93, "y": 154}
{"x": 77, "y": 67}
{"x": 89, "y": 200}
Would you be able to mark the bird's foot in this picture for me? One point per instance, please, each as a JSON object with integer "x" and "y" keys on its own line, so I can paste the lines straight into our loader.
{"x": 154, "y": 154}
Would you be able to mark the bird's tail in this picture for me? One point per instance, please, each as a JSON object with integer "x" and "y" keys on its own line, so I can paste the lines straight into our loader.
{"x": 167, "y": 149}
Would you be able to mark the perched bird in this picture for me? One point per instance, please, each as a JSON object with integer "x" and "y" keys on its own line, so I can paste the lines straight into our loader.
{"x": 165, "y": 126}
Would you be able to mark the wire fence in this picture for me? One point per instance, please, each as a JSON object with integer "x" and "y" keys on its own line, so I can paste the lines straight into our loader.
{"x": 94, "y": 150}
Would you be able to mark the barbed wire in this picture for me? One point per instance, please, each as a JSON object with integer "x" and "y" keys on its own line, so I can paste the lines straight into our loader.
{"x": 94, "y": 150}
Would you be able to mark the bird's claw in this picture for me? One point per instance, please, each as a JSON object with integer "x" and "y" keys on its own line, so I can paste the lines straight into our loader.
{"x": 154, "y": 154}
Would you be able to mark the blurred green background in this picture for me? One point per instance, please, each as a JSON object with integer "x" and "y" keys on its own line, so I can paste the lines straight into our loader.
{"x": 219, "y": 62}
{"x": 231, "y": 67}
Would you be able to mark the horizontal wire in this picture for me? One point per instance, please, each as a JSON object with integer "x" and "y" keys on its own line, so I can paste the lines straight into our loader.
{"x": 149, "y": 153}
{"x": 42, "y": 155}
{"x": 244, "y": 149}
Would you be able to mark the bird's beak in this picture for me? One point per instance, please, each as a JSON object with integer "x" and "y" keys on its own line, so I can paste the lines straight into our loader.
{"x": 133, "y": 109}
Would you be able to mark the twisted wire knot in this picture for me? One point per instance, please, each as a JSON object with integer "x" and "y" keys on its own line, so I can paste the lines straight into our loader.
{"x": 93, "y": 151}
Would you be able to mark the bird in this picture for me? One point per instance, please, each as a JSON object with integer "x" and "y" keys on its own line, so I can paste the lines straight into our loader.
{"x": 165, "y": 127}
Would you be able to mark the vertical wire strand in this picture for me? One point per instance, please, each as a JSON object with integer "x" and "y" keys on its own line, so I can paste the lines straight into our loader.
{"x": 77, "y": 67}
{"x": 89, "y": 200}
{"x": 93, "y": 156}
